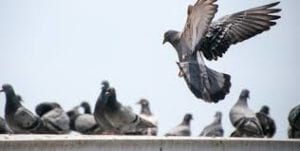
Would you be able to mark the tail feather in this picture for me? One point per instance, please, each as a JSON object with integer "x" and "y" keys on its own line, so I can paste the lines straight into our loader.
{"x": 205, "y": 83}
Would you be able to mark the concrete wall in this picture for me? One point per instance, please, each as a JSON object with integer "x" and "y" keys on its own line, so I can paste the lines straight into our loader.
{"x": 140, "y": 143}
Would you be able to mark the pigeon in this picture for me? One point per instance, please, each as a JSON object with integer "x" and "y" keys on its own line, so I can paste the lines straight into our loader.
{"x": 203, "y": 37}
{"x": 244, "y": 119}
{"x": 293, "y": 133}
{"x": 55, "y": 119}
{"x": 214, "y": 129}
{"x": 266, "y": 122}
{"x": 146, "y": 114}
{"x": 115, "y": 118}
{"x": 294, "y": 122}
{"x": 86, "y": 106}
{"x": 294, "y": 117}
{"x": 184, "y": 128}
{"x": 4, "y": 128}
{"x": 19, "y": 119}
{"x": 83, "y": 123}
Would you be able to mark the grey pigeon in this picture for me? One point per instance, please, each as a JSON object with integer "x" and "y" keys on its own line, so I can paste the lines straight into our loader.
{"x": 244, "y": 119}
{"x": 115, "y": 118}
{"x": 266, "y": 122}
{"x": 4, "y": 128}
{"x": 83, "y": 123}
{"x": 19, "y": 118}
{"x": 55, "y": 119}
{"x": 203, "y": 38}
{"x": 146, "y": 114}
{"x": 183, "y": 129}
{"x": 214, "y": 129}
{"x": 293, "y": 133}
{"x": 294, "y": 122}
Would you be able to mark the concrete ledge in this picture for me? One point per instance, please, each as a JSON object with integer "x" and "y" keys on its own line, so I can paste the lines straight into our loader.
{"x": 140, "y": 143}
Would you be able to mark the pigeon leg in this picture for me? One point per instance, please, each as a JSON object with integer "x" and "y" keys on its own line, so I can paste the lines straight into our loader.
{"x": 180, "y": 74}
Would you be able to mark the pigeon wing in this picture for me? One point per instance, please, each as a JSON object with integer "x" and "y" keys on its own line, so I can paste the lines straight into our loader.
{"x": 25, "y": 119}
{"x": 199, "y": 18}
{"x": 237, "y": 27}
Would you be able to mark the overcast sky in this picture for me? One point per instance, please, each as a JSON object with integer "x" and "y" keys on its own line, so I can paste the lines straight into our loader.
{"x": 61, "y": 50}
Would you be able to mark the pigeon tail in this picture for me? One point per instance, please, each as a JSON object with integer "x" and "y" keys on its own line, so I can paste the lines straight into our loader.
{"x": 205, "y": 83}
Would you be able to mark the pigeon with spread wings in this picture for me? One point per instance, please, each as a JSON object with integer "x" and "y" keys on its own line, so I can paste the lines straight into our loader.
{"x": 203, "y": 37}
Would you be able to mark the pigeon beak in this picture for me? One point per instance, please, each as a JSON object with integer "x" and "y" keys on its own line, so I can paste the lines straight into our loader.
{"x": 2, "y": 90}
{"x": 138, "y": 103}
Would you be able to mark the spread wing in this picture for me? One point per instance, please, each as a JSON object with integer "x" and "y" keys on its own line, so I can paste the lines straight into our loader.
{"x": 199, "y": 18}
{"x": 237, "y": 27}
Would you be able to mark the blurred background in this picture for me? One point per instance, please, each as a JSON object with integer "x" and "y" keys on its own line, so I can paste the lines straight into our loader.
{"x": 61, "y": 50}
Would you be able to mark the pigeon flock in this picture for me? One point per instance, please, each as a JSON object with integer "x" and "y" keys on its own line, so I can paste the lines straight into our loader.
{"x": 201, "y": 38}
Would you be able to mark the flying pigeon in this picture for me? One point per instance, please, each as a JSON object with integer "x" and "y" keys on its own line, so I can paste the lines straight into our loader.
{"x": 115, "y": 118}
{"x": 202, "y": 37}
{"x": 294, "y": 122}
{"x": 184, "y": 128}
{"x": 19, "y": 118}
{"x": 244, "y": 119}
{"x": 55, "y": 119}
{"x": 214, "y": 129}
{"x": 83, "y": 123}
{"x": 266, "y": 122}
{"x": 4, "y": 128}
{"x": 146, "y": 114}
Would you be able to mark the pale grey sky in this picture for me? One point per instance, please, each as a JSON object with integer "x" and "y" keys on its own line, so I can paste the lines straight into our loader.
{"x": 61, "y": 50}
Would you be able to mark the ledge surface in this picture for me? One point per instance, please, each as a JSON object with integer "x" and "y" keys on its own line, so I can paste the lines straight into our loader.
{"x": 141, "y": 143}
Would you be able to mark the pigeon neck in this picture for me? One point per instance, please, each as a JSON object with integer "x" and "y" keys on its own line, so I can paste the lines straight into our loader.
{"x": 146, "y": 110}
{"x": 242, "y": 101}
{"x": 186, "y": 122}
{"x": 112, "y": 103}
{"x": 87, "y": 110}
{"x": 217, "y": 120}
{"x": 12, "y": 102}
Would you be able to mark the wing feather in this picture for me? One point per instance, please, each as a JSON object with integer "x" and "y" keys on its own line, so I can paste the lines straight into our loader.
{"x": 199, "y": 18}
{"x": 237, "y": 27}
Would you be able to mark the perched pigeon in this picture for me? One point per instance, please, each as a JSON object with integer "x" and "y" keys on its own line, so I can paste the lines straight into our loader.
{"x": 55, "y": 119}
{"x": 183, "y": 129}
{"x": 294, "y": 122}
{"x": 83, "y": 123}
{"x": 203, "y": 38}
{"x": 294, "y": 117}
{"x": 18, "y": 118}
{"x": 266, "y": 122}
{"x": 4, "y": 128}
{"x": 147, "y": 114}
{"x": 115, "y": 118}
{"x": 214, "y": 129}
{"x": 244, "y": 119}
{"x": 293, "y": 133}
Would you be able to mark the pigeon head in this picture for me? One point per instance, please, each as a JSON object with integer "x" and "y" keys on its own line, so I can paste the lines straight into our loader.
{"x": 86, "y": 106}
{"x": 105, "y": 84}
{"x": 143, "y": 102}
{"x": 187, "y": 117}
{"x": 45, "y": 107}
{"x": 172, "y": 37}
{"x": 7, "y": 88}
{"x": 245, "y": 94}
{"x": 265, "y": 109}
{"x": 218, "y": 114}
